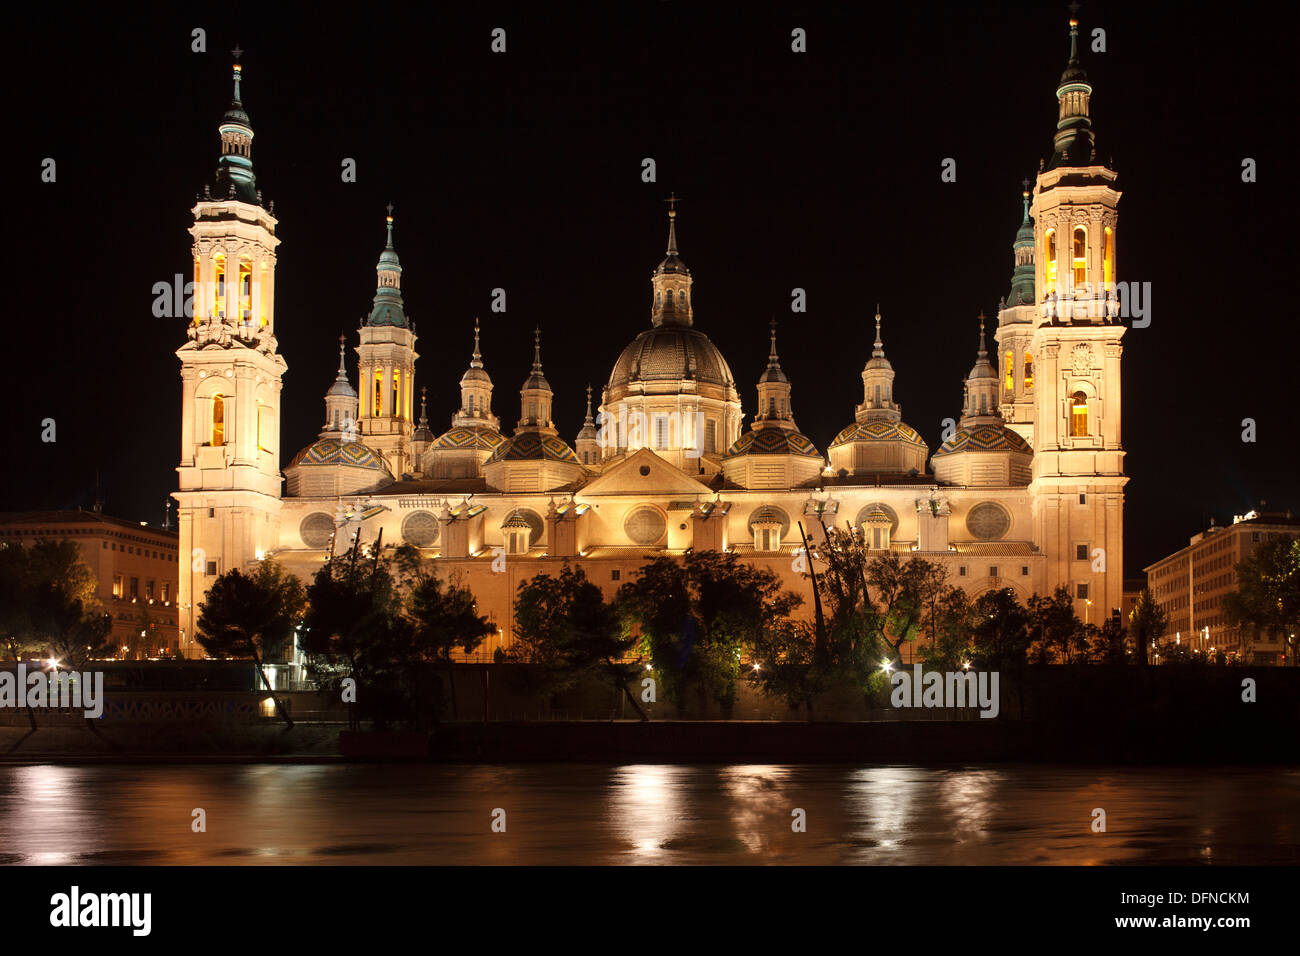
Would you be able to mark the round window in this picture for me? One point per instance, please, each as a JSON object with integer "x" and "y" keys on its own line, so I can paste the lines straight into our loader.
{"x": 988, "y": 521}
{"x": 420, "y": 529}
{"x": 316, "y": 529}
{"x": 645, "y": 526}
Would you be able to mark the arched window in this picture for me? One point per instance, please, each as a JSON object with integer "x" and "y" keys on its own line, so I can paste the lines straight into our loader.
{"x": 218, "y": 419}
{"x": 1080, "y": 255}
{"x": 1108, "y": 257}
{"x": 681, "y": 298}
{"x": 379, "y": 393}
{"x": 1010, "y": 365}
{"x": 219, "y": 275}
{"x": 1049, "y": 259}
{"x": 397, "y": 393}
{"x": 1078, "y": 415}
{"x": 1029, "y": 370}
{"x": 245, "y": 289}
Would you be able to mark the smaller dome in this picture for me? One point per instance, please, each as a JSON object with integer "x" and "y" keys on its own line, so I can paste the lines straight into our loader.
{"x": 531, "y": 446}
{"x": 768, "y": 514}
{"x": 470, "y": 437}
{"x": 331, "y": 451}
{"x": 422, "y": 434}
{"x": 876, "y": 515}
{"x": 672, "y": 265}
{"x": 516, "y": 520}
{"x": 878, "y": 430}
{"x": 341, "y": 388}
{"x": 537, "y": 381}
{"x": 772, "y": 441}
{"x": 984, "y": 438}
{"x": 475, "y": 374}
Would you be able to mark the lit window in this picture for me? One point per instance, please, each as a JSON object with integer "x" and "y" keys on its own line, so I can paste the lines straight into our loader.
{"x": 1108, "y": 257}
{"x": 1029, "y": 370}
{"x": 1080, "y": 255}
{"x": 219, "y": 303}
{"x": 245, "y": 290}
{"x": 218, "y": 420}
{"x": 1078, "y": 415}
{"x": 1049, "y": 259}
{"x": 1010, "y": 365}
{"x": 397, "y": 393}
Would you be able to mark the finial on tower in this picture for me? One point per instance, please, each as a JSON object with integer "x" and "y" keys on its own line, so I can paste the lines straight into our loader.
{"x": 672, "y": 223}
{"x": 237, "y": 53}
{"x": 588, "y": 420}
{"x": 390, "y": 226}
{"x": 879, "y": 350}
{"x": 772, "y": 354}
{"x": 476, "y": 361}
{"x": 983, "y": 350}
{"x": 537, "y": 349}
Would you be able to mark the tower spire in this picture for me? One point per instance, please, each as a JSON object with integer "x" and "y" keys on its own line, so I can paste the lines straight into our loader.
{"x": 235, "y": 167}
{"x": 589, "y": 420}
{"x": 878, "y": 350}
{"x": 388, "y": 308}
{"x": 537, "y": 349}
{"x": 1074, "y": 144}
{"x": 672, "y": 224}
{"x": 476, "y": 360}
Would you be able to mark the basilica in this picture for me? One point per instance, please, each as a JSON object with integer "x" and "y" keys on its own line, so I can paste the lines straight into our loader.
{"x": 1024, "y": 489}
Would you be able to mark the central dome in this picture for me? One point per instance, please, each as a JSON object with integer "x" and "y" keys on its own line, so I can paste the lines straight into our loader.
{"x": 671, "y": 353}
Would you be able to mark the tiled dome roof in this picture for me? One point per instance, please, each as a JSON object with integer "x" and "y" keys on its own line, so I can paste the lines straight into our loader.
{"x": 878, "y": 430}
{"x": 984, "y": 438}
{"x": 331, "y": 451}
{"x": 530, "y": 446}
{"x": 772, "y": 441}
{"x": 470, "y": 437}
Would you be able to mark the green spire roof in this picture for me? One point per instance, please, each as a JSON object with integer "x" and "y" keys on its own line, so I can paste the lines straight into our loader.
{"x": 388, "y": 308}
{"x": 1022, "y": 279}
{"x": 235, "y": 167}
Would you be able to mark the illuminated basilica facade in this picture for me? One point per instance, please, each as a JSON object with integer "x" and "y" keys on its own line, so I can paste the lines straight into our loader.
{"x": 1024, "y": 491}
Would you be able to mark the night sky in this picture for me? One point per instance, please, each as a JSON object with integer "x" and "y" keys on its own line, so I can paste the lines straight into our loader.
{"x": 522, "y": 171}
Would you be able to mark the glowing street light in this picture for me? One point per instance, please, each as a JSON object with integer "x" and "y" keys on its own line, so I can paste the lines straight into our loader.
{"x": 886, "y": 666}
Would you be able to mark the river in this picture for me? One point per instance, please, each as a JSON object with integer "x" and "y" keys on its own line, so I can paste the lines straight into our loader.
{"x": 646, "y": 814}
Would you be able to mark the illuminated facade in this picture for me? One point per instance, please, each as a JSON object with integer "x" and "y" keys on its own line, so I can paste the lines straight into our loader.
{"x": 1025, "y": 491}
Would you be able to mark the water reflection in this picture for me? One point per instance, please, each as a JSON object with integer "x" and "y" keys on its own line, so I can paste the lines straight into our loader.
{"x": 646, "y": 813}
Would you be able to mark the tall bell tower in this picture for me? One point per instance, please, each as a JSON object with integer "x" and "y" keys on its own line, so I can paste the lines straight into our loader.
{"x": 229, "y": 490}
{"x": 1078, "y": 465}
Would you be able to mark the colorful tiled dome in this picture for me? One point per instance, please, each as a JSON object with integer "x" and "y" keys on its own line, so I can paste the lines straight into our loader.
{"x": 984, "y": 438}
{"x": 772, "y": 441}
{"x": 331, "y": 451}
{"x": 530, "y": 446}
{"x": 470, "y": 437}
{"x": 878, "y": 430}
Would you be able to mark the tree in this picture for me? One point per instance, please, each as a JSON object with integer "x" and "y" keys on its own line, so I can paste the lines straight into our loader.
{"x": 48, "y": 605}
{"x": 352, "y": 631}
{"x": 1147, "y": 623}
{"x": 852, "y": 623}
{"x": 252, "y": 616}
{"x": 948, "y": 611}
{"x": 786, "y": 664}
{"x": 1107, "y": 644}
{"x": 900, "y": 588}
{"x": 444, "y": 619}
{"x": 999, "y": 628}
{"x": 1054, "y": 629}
{"x": 697, "y": 614}
{"x": 1268, "y": 592}
{"x": 564, "y": 627}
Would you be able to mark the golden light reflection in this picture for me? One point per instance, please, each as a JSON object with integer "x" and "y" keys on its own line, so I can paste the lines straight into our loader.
{"x": 645, "y": 807}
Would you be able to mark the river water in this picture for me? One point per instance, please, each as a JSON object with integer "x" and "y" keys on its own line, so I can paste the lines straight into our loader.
{"x": 646, "y": 813}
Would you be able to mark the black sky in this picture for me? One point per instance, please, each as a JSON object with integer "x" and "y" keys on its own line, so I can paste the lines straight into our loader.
{"x": 522, "y": 171}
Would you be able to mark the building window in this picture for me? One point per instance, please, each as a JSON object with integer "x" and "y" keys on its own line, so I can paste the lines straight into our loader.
{"x": 1081, "y": 552}
{"x": 1080, "y": 255}
{"x": 117, "y": 586}
{"x": 1108, "y": 257}
{"x": 1024, "y": 570}
{"x": 212, "y": 569}
{"x": 993, "y": 571}
{"x": 165, "y": 592}
{"x": 1083, "y": 498}
{"x": 212, "y": 512}
{"x": 1009, "y": 363}
{"x": 1079, "y": 415}
{"x": 1049, "y": 259}
{"x": 1081, "y": 592}
{"x": 711, "y": 435}
{"x": 135, "y": 588}
{"x": 661, "y": 432}
{"x": 218, "y": 420}
{"x": 615, "y": 574}
{"x": 961, "y": 571}
{"x": 148, "y": 590}
{"x": 1029, "y": 370}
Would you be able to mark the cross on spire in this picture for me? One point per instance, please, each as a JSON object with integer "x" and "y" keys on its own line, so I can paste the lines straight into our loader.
{"x": 236, "y": 52}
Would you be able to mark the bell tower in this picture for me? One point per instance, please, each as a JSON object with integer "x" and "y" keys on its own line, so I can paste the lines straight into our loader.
{"x": 1078, "y": 464}
{"x": 229, "y": 472}
{"x": 386, "y": 357}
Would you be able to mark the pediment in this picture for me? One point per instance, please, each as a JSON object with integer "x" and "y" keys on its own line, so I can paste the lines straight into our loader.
{"x": 660, "y": 478}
